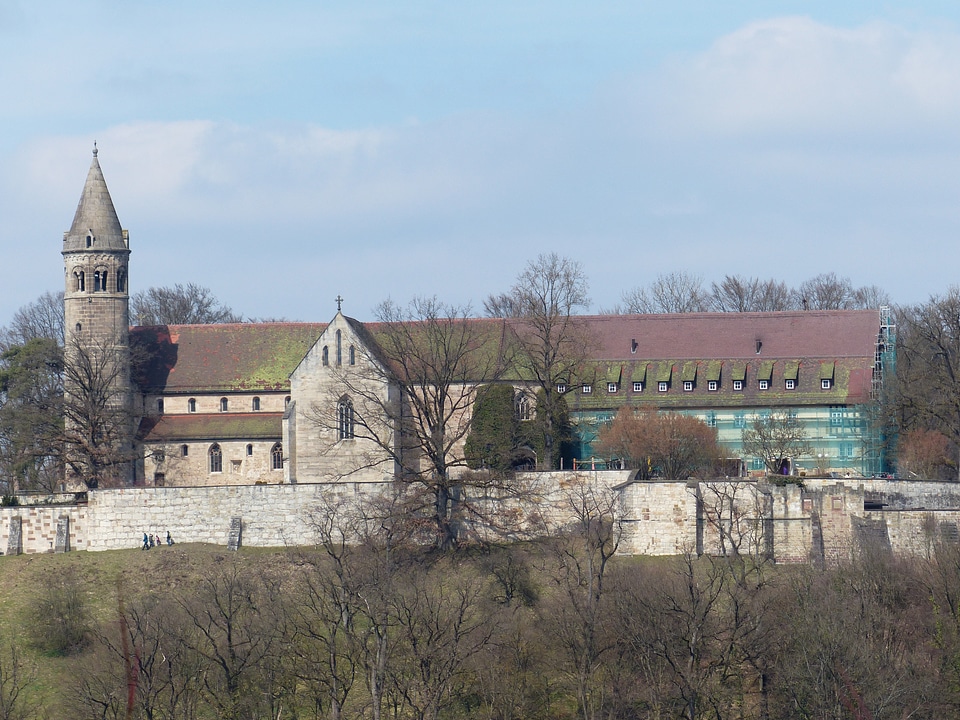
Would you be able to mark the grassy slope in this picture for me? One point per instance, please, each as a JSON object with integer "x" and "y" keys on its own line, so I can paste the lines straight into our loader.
{"x": 160, "y": 571}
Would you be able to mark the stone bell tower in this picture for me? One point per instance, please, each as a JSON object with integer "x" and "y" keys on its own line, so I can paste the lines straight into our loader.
{"x": 97, "y": 386}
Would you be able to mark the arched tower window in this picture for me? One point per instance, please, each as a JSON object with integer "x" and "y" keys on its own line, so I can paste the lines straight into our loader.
{"x": 192, "y": 405}
{"x": 249, "y": 449}
{"x": 121, "y": 281}
{"x": 255, "y": 405}
{"x": 184, "y": 450}
{"x": 276, "y": 457}
{"x": 326, "y": 355}
{"x": 224, "y": 404}
{"x": 344, "y": 419}
{"x": 79, "y": 285}
{"x": 216, "y": 458}
{"x": 339, "y": 349}
{"x": 89, "y": 240}
{"x": 99, "y": 280}
{"x": 352, "y": 354}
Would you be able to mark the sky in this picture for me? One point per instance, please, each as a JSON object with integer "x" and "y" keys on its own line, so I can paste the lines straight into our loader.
{"x": 284, "y": 153}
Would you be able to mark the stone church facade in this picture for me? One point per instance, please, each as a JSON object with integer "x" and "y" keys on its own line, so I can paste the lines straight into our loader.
{"x": 272, "y": 403}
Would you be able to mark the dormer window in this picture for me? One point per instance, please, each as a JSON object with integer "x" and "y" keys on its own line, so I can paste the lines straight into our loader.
{"x": 790, "y": 384}
{"x": 663, "y": 386}
{"x": 688, "y": 385}
{"x": 89, "y": 240}
{"x": 826, "y": 383}
{"x": 586, "y": 389}
{"x": 638, "y": 387}
{"x": 738, "y": 385}
{"x": 561, "y": 388}
{"x": 764, "y": 384}
{"x": 611, "y": 387}
{"x": 713, "y": 385}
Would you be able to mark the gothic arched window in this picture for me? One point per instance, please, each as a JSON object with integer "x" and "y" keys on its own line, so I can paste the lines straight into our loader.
{"x": 339, "y": 349}
{"x": 352, "y": 354}
{"x": 276, "y": 457}
{"x": 256, "y": 404}
{"x": 192, "y": 405}
{"x": 523, "y": 407}
{"x": 326, "y": 355}
{"x": 224, "y": 404}
{"x": 344, "y": 419}
{"x": 216, "y": 458}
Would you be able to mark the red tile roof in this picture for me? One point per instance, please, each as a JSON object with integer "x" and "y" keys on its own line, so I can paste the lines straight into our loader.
{"x": 703, "y": 336}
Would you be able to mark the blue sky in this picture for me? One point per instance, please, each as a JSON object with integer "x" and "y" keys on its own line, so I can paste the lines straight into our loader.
{"x": 284, "y": 153}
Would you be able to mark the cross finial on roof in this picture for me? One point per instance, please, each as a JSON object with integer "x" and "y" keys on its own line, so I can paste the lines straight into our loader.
{"x": 94, "y": 148}
{"x": 339, "y": 302}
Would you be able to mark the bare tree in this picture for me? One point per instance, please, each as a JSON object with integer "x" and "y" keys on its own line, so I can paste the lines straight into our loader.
{"x": 826, "y": 292}
{"x": 676, "y": 292}
{"x": 98, "y": 420}
{"x": 551, "y": 344}
{"x": 188, "y": 304}
{"x": 581, "y": 551}
{"x": 775, "y": 438}
{"x": 433, "y": 358}
{"x": 43, "y": 318}
{"x": 928, "y": 366}
{"x": 16, "y": 676}
{"x": 736, "y": 293}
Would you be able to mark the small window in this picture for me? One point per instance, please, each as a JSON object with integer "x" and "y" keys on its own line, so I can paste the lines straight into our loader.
{"x": 89, "y": 240}
{"x": 663, "y": 386}
{"x": 160, "y": 405}
{"x": 739, "y": 421}
{"x": 687, "y": 385}
{"x": 352, "y": 354}
{"x": 826, "y": 383}
{"x": 224, "y": 404}
{"x": 216, "y": 459}
{"x": 79, "y": 327}
{"x": 611, "y": 388}
{"x": 192, "y": 405}
{"x": 184, "y": 450}
{"x": 255, "y": 405}
{"x": 713, "y": 385}
{"x": 790, "y": 384}
{"x": 836, "y": 417}
{"x": 159, "y": 456}
{"x": 249, "y": 450}
{"x": 711, "y": 419}
{"x": 286, "y": 401}
{"x": 586, "y": 389}
{"x": 738, "y": 384}
{"x": 764, "y": 384}
{"x": 276, "y": 457}
{"x": 523, "y": 407}
{"x": 561, "y": 388}
{"x": 638, "y": 387}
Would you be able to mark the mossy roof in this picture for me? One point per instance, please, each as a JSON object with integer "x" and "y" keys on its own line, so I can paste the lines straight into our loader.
{"x": 233, "y": 357}
{"x": 226, "y": 426}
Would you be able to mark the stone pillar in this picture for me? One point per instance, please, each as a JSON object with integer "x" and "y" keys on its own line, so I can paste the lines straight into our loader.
{"x": 235, "y": 537}
{"x": 15, "y": 541}
{"x": 62, "y": 544}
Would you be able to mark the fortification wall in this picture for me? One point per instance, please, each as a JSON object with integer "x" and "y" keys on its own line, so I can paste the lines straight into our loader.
{"x": 38, "y": 526}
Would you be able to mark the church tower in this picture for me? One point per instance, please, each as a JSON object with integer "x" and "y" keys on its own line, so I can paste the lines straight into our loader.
{"x": 97, "y": 387}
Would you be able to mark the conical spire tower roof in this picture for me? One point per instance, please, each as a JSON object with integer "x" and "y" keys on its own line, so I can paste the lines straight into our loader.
{"x": 95, "y": 219}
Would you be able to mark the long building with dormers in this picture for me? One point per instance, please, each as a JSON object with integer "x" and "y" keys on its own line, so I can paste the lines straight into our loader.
{"x": 239, "y": 404}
